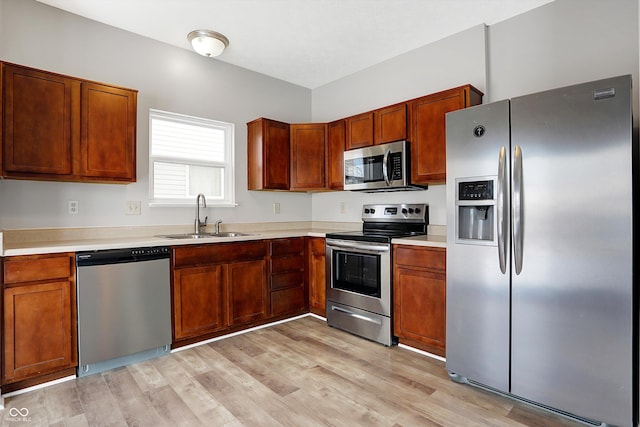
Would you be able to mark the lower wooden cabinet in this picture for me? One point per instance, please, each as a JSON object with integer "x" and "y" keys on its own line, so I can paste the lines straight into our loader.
{"x": 217, "y": 287}
{"x": 247, "y": 290}
{"x": 420, "y": 297}
{"x": 39, "y": 331}
{"x": 287, "y": 277}
{"x": 316, "y": 275}
{"x": 199, "y": 301}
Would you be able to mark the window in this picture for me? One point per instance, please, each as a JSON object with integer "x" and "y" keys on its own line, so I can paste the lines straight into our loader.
{"x": 190, "y": 155}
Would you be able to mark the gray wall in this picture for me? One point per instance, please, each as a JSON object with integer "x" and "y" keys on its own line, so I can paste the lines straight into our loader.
{"x": 168, "y": 78}
{"x": 447, "y": 63}
{"x": 560, "y": 43}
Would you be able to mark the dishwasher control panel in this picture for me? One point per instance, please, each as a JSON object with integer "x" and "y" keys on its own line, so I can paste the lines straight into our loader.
{"x": 117, "y": 256}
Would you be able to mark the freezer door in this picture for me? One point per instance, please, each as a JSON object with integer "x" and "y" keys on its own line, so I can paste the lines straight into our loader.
{"x": 572, "y": 302}
{"x": 478, "y": 293}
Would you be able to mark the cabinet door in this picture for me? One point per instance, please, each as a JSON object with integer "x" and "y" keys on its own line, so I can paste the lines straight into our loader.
{"x": 390, "y": 124}
{"x": 336, "y": 136}
{"x": 198, "y": 301}
{"x": 308, "y": 156}
{"x": 37, "y": 124}
{"x": 108, "y": 135}
{"x": 248, "y": 293}
{"x": 317, "y": 275}
{"x": 420, "y": 298}
{"x": 427, "y": 131}
{"x": 39, "y": 325}
{"x": 268, "y": 155}
{"x": 359, "y": 130}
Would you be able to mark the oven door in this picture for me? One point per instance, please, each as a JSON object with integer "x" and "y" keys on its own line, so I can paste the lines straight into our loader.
{"x": 359, "y": 275}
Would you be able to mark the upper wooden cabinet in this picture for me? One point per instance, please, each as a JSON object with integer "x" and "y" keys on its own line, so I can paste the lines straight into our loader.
{"x": 268, "y": 155}
{"x": 62, "y": 128}
{"x": 108, "y": 133}
{"x": 359, "y": 130}
{"x": 427, "y": 131}
{"x": 390, "y": 124}
{"x": 336, "y": 136}
{"x": 308, "y": 156}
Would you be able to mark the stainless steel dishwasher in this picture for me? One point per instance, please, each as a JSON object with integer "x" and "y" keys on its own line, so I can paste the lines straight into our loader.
{"x": 124, "y": 307}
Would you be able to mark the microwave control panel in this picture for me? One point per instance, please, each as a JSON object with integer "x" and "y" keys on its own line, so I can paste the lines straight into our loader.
{"x": 396, "y": 166}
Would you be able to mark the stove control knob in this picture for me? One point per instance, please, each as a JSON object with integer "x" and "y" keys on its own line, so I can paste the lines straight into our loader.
{"x": 373, "y": 211}
{"x": 417, "y": 210}
{"x": 404, "y": 211}
{"x": 410, "y": 210}
{"x": 366, "y": 210}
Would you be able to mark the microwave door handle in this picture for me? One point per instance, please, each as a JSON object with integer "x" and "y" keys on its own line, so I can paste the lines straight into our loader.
{"x": 385, "y": 166}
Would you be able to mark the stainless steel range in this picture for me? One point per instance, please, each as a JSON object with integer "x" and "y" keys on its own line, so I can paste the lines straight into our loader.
{"x": 359, "y": 285}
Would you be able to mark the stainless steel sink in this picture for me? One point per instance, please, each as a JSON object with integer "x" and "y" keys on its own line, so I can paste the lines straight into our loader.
{"x": 203, "y": 235}
{"x": 229, "y": 234}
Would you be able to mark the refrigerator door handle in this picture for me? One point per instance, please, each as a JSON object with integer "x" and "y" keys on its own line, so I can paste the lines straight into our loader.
{"x": 502, "y": 207}
{"x": 517, "y": 200}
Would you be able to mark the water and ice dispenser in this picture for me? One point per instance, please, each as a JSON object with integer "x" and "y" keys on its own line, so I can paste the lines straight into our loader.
{"x": 476, "y": 211}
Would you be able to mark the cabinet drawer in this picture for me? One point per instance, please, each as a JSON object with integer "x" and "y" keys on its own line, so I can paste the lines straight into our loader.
{"x": 287, "y": 280}
{"x": 281, "y": 247}
{"x": 216, "y": 253}
{"x": 432, "y": 258}
{"x": 38, "y": 267}
{"x": 293, "y": 263}
{"x": 287, "y": 301}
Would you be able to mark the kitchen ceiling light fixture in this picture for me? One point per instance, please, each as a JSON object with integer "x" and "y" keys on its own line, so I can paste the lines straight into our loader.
{"x": 208, "y": 43}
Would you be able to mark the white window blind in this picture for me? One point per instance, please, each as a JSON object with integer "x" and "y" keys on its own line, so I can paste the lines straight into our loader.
{"x": 190, "y": 155}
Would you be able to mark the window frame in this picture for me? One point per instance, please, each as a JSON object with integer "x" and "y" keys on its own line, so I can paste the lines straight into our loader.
{"x": 228, "y": 164}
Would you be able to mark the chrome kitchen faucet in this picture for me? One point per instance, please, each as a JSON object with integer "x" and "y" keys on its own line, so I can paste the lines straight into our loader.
{"x": 199, "y": 224}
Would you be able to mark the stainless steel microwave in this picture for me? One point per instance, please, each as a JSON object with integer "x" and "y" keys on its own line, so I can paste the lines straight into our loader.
{"x": 384, "y": 167}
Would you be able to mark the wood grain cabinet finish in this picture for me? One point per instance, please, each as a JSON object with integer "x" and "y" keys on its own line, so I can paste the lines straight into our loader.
{"x": 287, "y": 277}
{"x": 268, "y": 155}
{"x": 199, "y": 301}
{"x": 427, "y": 131}
{"x": 108, "y": 133}
{"x": 316, "y": 275}
{"x": 420, "y": 297}
{"x": 308, "y": 156}
{"x": 39, "y": 331}
{"x": 62, "y": 128}
{"x": 390, "y": 124}
{"x": 217, "y": 287}
{"x": 336, "y": 140}
{"x": 359, "y": 130}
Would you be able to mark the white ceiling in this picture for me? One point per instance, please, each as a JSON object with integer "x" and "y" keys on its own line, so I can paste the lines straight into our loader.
{"x": 305, "y": 42}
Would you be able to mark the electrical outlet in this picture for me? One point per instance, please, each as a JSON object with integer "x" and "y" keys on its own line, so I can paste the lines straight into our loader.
{"x": 73, "y": 207}
{"x": 132, "y": 207}
{"x": 276, "y": 208}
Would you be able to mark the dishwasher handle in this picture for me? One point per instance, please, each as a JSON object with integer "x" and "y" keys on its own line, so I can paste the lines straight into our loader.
{"x": 120, "y": 256}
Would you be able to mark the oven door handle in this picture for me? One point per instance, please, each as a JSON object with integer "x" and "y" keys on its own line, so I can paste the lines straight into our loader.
{"x": 356, "y": 315}
{"x": 358, "y": 246}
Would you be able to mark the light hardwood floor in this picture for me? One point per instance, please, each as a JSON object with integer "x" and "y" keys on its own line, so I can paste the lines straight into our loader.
{"x": 299, "y": 373}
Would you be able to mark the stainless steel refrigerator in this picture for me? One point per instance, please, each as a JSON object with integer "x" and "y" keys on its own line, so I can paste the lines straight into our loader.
{"x": 540, "y": 289}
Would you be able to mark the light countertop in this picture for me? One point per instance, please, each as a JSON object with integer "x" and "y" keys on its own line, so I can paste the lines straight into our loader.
{"x": 32, "y": 242}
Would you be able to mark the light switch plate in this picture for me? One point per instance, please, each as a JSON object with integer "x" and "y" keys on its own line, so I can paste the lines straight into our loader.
{"x": 73, "y": 207}
{"x": 132, "y": 207}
